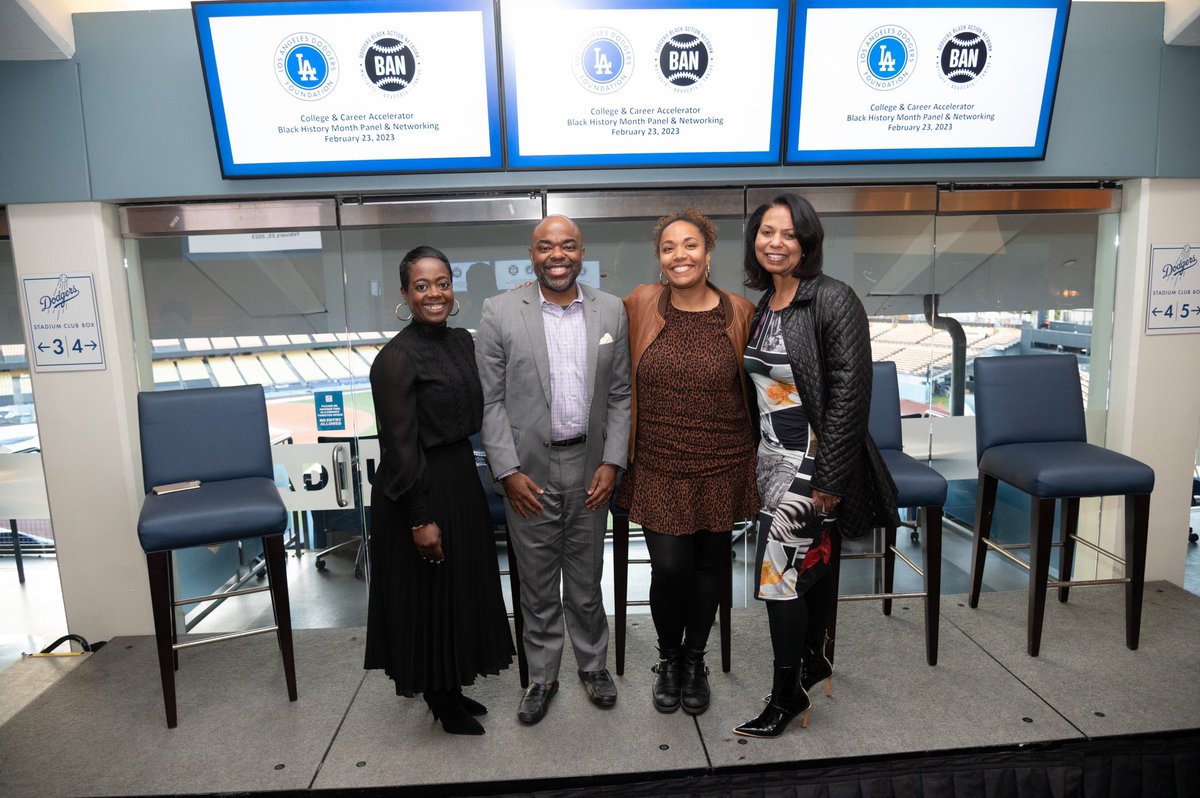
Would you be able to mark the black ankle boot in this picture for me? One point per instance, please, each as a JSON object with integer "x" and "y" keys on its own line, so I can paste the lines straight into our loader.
{"x": 667, "y": 685}
{"x": 471, "y": 706}
{"x": 695, "y": 693}
{"x": 446, "y": 707}
{"x": 788, "y": 699}
{"x": 816, "y": 667}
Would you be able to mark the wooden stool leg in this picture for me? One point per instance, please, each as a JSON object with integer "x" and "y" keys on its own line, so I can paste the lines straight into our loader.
{"x": 985, "y": 505}
{"x": 158, "y": 564}
{"x": 277, "y": 576}
{"x": 726, "y": 604}
{"x": 1041, "y": 536}
{"x": 835, "y": 573}
{"x": 514, "y": 588}
{"x": 1137, "y": 525}
{"x": 933, "y": 581}
{"x": 621, "y": 582}
{"x": 1070, "y": 526}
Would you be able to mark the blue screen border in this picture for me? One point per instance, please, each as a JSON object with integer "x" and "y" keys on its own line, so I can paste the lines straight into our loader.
{"x": 771, "y": 157}
{"x": 1035, "y": 152}
{"x": 204, "y": 12}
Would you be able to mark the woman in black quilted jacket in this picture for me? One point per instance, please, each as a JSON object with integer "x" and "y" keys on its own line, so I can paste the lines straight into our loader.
{"x": 809, "y": 357}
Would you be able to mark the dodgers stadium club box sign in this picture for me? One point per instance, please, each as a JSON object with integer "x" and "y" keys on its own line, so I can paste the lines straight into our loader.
{"x": 595, "y": 83}
{"x": 927, "y": 80}
{"x": 326, "y": 87}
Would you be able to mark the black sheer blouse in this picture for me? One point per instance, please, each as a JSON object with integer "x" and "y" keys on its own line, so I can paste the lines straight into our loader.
{"x": 426, "y": 391}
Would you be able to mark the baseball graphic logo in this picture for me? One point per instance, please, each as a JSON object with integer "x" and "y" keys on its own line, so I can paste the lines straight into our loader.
{"x": 390, "y": 62}
{"x": 965, "y": 55}
{"x": 603, "y": 60}
{"x": 306, "y": 66}
{"x": 886, "y": 57}
{"x": 684, "y": 58}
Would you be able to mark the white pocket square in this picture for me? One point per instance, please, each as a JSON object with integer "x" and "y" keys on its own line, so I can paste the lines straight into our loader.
{"x": 605, "y": 339}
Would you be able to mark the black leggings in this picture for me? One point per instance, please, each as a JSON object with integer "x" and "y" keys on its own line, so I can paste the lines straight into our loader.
{"x": 685, "y": 585}
{"x": 800, "y": 623}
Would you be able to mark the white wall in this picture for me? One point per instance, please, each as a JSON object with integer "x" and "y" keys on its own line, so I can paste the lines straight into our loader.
{"x": 87, "y": 422}
{"x": 1154, "y": 408}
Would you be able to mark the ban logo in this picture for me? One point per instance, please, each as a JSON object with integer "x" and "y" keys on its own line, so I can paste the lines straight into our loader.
{"x": 964, "y": 56}
{"x": 684, "y": 58}
{"x": 390, "y": 62}
{"x": 306, "y": 66}
{"x": 603, "y": 60}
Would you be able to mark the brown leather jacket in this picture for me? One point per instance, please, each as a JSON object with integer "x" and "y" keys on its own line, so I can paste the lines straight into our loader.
{"x": 646, "y": 308}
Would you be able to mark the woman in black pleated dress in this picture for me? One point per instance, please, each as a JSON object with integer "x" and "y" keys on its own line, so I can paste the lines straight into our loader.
{"x": 436, "y": 616}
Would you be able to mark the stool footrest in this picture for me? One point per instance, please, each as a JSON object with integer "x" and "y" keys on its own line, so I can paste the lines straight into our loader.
{"x": 879, "y": 596}
{"x": 1087, "y": 582}
{"x": 227, "y": 636}
{"x": 219, "y": 596}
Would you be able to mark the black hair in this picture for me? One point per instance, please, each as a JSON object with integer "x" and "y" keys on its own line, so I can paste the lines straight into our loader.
{"x": 416, "y": 254}
{"x": 809, "y": 233}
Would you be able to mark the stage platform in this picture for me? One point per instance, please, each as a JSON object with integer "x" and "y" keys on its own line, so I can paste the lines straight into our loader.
{"x": 1087, "y": 717}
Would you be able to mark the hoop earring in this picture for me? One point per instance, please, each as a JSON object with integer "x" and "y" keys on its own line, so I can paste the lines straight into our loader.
{"x": 402, "y": 318}
{"x": 457, "y": 307}
{"x": 707, "y": 271}
{"x": 662, "y": 278}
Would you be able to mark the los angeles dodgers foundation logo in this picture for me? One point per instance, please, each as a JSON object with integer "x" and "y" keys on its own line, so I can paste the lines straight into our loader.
{"x": 306, "y": 66}
{"x": 390, "y": 62}
{"x": 964, "y": 58}
{"x": 684, "y": 58}
{"x": 887, "y": 57}
{"x": 603, "y": 60}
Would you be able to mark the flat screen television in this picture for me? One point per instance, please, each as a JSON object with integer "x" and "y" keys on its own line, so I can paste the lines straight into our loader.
{"x": 923, "y": 80}
{"x": 336, "y": 87}
{"x": 610, "y": 83}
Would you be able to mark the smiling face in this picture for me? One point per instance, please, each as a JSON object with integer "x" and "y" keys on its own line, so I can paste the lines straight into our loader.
{"x": 430, "y": 293}
{"x": 683, "y": 255}
{"x": 776, "y": 245}
{"x": 556, "y": 252}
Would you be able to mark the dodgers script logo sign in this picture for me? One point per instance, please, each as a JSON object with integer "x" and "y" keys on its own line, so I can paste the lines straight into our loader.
{"x": 64, "y": 332}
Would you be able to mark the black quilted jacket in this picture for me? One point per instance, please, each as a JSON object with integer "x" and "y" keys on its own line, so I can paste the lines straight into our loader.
{"x": 829, "y": 345}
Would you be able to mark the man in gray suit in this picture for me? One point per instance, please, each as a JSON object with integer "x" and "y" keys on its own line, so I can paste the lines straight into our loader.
{"x": 554, "y": 361}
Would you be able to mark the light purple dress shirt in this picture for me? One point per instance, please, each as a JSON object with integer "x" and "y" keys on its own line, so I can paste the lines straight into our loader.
{"x": 566, "y": 344}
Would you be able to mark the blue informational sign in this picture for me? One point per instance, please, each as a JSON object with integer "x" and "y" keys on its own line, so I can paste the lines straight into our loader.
{"x": 331, "y": 411}
{"x": 351, "y": 86}
{"x": 923, "y": 80}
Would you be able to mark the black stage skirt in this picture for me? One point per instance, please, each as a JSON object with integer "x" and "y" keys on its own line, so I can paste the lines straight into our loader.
{"x": 437, "y": 627}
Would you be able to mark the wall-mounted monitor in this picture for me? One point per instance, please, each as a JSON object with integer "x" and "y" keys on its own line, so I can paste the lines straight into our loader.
{"x": 605, "y": 83}
{"x": 923, "y": 80}
{"x": 325, "y": 87}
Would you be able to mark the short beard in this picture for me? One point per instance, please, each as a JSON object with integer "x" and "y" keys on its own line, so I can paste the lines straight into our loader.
{"x": 544, "y": 281}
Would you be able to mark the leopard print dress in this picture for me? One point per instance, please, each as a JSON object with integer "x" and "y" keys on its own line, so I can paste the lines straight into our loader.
{"x": 694, "y": 456}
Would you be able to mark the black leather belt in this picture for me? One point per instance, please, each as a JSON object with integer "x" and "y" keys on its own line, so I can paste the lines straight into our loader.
{"x": 569, "y": 442}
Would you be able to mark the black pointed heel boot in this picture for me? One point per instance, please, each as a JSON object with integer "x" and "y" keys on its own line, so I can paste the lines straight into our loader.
{"x": 788, "y": 699}
{"x": 471, "y": 706}
{"x": 445, "y": 707}
{"x": 667, "y": 682}
{"x": 816, "y": 667}
{"x": 695, "y": 693}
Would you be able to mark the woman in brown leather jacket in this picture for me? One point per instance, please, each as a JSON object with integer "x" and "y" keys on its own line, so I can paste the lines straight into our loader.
{"x": 691, "y": 456}
{"x": 819, "y": 473}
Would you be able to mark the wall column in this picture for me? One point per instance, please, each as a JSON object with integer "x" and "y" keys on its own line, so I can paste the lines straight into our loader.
{"x": 87, "y": 422}
{"x": 1154, "y": 408}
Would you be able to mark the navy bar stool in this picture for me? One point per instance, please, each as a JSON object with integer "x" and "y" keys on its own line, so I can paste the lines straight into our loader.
{"x": 500, "y": 521}
{"x": 918, "y": 486}
{"x": 1030, "y": 433}
{"x": 219, "y": 437}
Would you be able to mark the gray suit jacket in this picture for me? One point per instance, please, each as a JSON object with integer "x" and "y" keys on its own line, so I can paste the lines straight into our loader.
{"x": 514, "y": 368}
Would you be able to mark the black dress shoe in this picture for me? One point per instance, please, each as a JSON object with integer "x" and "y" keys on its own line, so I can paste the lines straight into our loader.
{"x": 535, "y": 701}
{"x": 600, "y": 687}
